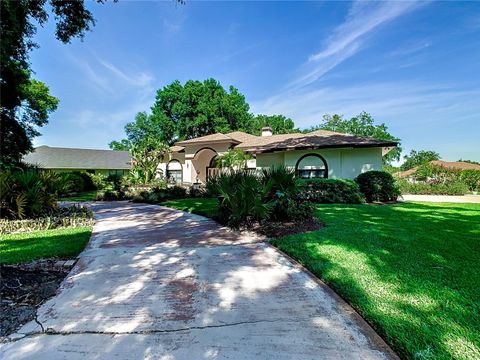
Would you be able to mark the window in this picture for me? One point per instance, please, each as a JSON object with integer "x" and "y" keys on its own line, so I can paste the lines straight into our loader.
{"x": 311, "y": 166}
{"x": 174, "y": 171}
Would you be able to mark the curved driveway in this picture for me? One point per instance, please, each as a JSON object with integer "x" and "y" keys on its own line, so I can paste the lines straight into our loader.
{"x": 157, "y": 283}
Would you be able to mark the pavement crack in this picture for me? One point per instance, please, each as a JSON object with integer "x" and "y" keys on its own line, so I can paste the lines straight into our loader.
{"x": 51, "y": 331}
{"x": 39, "y": 323}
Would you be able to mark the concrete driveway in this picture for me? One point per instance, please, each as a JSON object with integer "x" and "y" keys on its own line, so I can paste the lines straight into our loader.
{"x": 157, "y": 283}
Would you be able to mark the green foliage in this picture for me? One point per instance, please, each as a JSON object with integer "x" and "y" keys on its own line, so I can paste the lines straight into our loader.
{"x": 435, "y": 179}
{"x": 335, "y": 191}
{"x": 377, "y": 186}
{"x": 416, "y": 158}
{"x": 243, "y": 200}
{"x": 246, "y": 197}
{"x": 29, "y": 193}
{"x": 146, "y": 158}
{"x": 454, "y": 187}
{"x": 99, "y": 181}
{"x": 160, "y": 194}
{"x": 391, "y": 169}
{"x": 409, "y": 269}
{"x": 188, "y": 111}
{"x": 471, "y": 178}
{"x": 26, "y": 102}
{"x": 71, "y": 216}
{"x": 122, "y": 145}
{"x": 232, "y": 158}
{"x": 279, "y": 124}
{"x": 360, "y": 125}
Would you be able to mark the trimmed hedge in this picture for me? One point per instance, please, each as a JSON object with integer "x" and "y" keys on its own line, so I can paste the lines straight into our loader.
{"x": 330, "y": 191}
{"x": 378, "y": 186}
{"x": 423, "y": 188}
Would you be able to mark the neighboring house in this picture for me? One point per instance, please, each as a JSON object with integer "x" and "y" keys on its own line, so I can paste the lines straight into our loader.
{"x": 455, "y": 165}
{"x": 107, "y": 162}
{"x": 318, "y": 154}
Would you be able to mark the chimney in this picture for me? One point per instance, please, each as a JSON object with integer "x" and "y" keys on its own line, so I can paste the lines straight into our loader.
{"x": 267, "y": 131}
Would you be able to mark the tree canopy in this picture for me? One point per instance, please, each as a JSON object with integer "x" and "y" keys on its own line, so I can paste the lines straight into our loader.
{"x": 416, "y": 158}
{"x": 279, "y": 124}
{"x": 26, "y": 102}
{"x": 360, "y": 125}
{"x": 196, "y": 109}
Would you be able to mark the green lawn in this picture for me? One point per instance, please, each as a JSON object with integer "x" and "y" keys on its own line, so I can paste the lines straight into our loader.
{"x": 81, "y": 196}
{"x": 412, "y": 270}
{"x": 59, "y": 243}
{"x": 202, "y": 206}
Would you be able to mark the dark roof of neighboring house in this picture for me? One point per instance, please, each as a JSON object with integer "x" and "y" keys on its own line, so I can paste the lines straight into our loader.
{"x": 296, "y": 141}
{"x": 460, "y": 165}
{"x": 48, "y": 157}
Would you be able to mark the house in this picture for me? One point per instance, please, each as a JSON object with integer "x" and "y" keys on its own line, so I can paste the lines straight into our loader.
{"x": 107, "y": 162}
{"x": 318, "y": 154}
{"x": 455, "y": 165}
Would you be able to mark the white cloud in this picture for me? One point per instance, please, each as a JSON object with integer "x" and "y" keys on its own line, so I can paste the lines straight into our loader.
{"x": 347, "y": 38}
{"x": 140, "y": 79}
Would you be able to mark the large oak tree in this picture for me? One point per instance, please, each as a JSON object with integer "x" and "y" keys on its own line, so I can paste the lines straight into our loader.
{"x": 197, "y": 108}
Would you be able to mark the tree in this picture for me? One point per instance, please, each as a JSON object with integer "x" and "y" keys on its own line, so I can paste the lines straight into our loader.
{"x": 197, "y": 109}
{"x": 25, "y": 102}
{"x": 416, "y": 158}
{"x": 122, "y": 145}
{"x": 279, "y": 124}
{"x": 145, "y": 159}
{"x": 360, "y": 125}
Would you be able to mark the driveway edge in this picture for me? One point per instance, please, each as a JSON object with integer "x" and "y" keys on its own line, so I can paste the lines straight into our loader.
{"x": 372, "y": 336}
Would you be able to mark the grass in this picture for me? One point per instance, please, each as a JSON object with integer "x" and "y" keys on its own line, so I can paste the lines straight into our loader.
{"x": 58, "y": 243}
{"x": 81, "y": 196}
{"x": 411, "y": 270}
{"x": 202, "y": 206}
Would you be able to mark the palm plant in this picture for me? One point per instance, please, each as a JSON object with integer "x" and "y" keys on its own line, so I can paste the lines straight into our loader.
{"x": 242, "y": 197}
{"x": 29, "y": 193}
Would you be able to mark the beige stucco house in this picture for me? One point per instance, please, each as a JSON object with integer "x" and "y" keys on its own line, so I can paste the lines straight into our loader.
{"x": 321, "y": 153}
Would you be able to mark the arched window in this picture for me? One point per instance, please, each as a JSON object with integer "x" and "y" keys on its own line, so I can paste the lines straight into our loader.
{"x": 174, "y": 171}
{"x": 311, "y": 166}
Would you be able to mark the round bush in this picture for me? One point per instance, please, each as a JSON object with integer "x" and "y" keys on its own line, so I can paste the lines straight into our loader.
{"x": 378, "y": 186}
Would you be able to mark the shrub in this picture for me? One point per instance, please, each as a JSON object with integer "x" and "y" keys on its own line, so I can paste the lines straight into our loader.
{"x": 77, "y": 183}
{"x": 471, "y": 178}
{"x": 71, "y": 216}
{"x": 30, "y": 193}
{"x": 243, "y": 200}
{"x": 109, "y": 195}
{"x": 99, "y": 181}
{"x": 331, "y": 191}
{"x": 423, "y": 188}
{"x": 377, "y": 186}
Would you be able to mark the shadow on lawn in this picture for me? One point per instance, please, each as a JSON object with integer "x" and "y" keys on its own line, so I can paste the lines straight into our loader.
{"x": 409, "y": 269}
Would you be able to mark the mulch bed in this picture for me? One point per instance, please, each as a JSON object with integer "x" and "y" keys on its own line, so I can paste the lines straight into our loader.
{"x": 278, "y": 229}
{"x": 23, "y": 288}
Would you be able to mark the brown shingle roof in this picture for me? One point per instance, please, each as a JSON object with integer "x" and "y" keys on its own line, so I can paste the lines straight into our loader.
{"x": 456, "y": 165}
{"x": 460, "y": 165}
{"x": 48, "y": 157}
{"x": 315, "y": 140}
{"x": 217, "y": 137}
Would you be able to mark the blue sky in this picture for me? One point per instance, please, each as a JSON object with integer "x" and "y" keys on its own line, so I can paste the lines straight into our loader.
{"x": 413, "y": 65}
